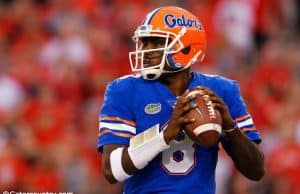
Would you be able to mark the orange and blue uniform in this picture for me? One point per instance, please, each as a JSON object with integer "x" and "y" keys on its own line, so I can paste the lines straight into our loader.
{"x": 133, "y": 104}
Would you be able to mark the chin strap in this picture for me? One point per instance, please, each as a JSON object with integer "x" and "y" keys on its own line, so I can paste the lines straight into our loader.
{"x": 157, "y": 72}
{"x": 151, "y": 74}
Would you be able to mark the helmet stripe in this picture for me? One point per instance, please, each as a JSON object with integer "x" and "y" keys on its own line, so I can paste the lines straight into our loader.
{"x": 150, "y": 16}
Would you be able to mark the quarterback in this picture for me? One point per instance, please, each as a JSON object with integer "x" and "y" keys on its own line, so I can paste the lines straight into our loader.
{"x": 143, "y": 115}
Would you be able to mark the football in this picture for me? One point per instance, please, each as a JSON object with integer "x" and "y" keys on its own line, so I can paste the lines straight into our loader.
{"x": 207, "y": 127}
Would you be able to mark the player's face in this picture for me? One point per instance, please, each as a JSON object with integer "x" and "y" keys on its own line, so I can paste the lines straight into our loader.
{"x": 153, "y": 57}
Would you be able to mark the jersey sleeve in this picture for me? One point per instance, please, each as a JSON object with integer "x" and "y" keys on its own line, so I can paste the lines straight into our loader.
{"x": 238, "y": 111}
{"x": 116, "y": 117}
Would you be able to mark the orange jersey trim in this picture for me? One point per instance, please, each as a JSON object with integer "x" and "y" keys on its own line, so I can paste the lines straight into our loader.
{"x": 131, "y": 123}
{"x": 242, "y": 117}
{"x": 115, "y": 133}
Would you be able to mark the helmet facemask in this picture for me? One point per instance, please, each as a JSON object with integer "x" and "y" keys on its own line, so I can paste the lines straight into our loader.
{"x": 171, "y": 46}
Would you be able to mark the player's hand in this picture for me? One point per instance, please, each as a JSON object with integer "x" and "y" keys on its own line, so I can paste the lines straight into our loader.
{"x": 218, "y": 103}
{"x": 178, "y": 120}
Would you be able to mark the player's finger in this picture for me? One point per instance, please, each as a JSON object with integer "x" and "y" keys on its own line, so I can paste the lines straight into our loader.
{"x": 190, "y": 98}
{"x": 202, "y": 88}
{"x": 188, "y": 107}
{"x": 187, "y": 100}
{"x": 207, "y": 91}
{"x": 219, "y": 107}
{"x": 187, "y": 91}
{"x": 188, "y": 95}
{"x": 190, "y": 120}
{"x": 180, "y": 120}
{"x": 183, "y": 120}
{"x": 182, "y": 99}
{"x": 217, "y": 100}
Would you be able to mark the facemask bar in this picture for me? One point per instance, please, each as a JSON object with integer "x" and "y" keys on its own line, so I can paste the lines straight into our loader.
{"x": 137, "y": 57}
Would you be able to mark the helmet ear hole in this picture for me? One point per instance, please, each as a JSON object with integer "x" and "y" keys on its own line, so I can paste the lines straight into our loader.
{"x": 186, "y": 50}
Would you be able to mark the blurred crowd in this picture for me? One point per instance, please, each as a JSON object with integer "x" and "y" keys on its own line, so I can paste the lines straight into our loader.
{"x": 56, "y": 57}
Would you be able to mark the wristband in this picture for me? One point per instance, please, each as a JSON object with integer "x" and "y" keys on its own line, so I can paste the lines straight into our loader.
{"x": 146, "y": 145}
{"x": 116, "y": 165}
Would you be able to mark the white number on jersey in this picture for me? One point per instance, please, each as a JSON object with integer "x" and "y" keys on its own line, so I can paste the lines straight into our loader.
{"x": 180, "y": 158}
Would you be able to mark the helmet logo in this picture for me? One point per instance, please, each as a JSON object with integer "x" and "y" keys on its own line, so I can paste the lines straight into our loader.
{"x": 171, "y": 21}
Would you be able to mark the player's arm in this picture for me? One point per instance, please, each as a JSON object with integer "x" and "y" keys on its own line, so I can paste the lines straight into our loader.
{"x": 245, "y": 154}
{"x": 120, "y": 161}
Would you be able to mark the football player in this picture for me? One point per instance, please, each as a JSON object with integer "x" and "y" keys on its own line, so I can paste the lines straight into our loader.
{"x": 142, "y": 118}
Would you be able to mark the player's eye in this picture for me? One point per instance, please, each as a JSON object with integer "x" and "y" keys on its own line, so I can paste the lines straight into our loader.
{"x": 159, "y": 41}
{"x": 153, "y": 41}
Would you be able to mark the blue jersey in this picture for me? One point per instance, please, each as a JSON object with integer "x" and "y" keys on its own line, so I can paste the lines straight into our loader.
{"x": 132, "y": 105}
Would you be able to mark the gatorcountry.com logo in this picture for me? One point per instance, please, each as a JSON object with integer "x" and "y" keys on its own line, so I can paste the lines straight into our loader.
{"x": 171, "y": 21}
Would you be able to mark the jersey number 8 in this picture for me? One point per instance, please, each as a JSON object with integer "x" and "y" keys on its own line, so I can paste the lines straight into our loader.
{"x": 180, "y": 158}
